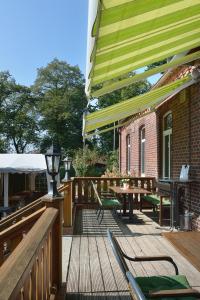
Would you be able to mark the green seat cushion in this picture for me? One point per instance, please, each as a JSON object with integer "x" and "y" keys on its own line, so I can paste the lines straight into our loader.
{"x": 154, "y": 199}
{"x": 110, "y": 202}
{"x": 156, "y": 283}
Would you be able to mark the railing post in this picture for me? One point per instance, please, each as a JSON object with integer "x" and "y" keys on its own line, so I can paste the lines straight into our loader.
{"x": 57, "y": 203}
{"x": 67, "y": 204}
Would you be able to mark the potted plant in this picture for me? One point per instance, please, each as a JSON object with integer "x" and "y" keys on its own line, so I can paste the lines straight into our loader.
{"x": 125, "y": 183}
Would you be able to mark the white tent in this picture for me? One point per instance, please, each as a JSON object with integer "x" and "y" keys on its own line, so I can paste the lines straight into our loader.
{"x": 21, "y": 163}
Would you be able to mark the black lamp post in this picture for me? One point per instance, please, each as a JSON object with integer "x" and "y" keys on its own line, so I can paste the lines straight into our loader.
{"x": 53, "y": 158}
{"x": 67, "y": 163}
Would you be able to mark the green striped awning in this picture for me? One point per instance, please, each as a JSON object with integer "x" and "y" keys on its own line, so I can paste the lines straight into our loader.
{"x": 133, "y": 106}
{"x": 131, "y": 34}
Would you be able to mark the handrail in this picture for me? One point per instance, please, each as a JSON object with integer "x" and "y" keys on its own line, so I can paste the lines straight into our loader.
{"x": 22, "y": 212}
{"x": 27, "y": 273}
{"x": 12, "y": 236}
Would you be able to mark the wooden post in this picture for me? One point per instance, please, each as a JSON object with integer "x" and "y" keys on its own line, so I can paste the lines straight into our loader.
{"x": 56, "y": 240}
{"x": 67, "y": 205}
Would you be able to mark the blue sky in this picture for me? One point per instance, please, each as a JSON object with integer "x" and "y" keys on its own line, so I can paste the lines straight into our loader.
{"x": 33, "y": 32}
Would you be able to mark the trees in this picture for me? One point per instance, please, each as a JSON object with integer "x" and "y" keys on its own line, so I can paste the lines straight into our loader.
{"x": 59, "y": 88}
{"x": 18, "y": 117}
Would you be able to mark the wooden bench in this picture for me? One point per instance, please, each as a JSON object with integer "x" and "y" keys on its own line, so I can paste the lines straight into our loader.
{"x": 105, "y": 203}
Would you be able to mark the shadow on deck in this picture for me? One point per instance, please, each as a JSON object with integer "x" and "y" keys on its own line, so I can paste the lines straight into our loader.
{"x": 93, "y": 272}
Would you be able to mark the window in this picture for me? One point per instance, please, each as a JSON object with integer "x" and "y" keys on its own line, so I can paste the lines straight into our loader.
{"x": 142, "y": 151}
{"x": 128, "y": 154}
{"x": 167, "y": 144}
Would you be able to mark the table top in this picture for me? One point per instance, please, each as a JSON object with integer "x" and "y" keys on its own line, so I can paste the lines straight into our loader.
{"x": 132, "y": 190}
{"x": 188, "y": 244}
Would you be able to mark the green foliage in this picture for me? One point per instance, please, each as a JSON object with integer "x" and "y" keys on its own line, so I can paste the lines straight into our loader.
{"x": 113, "y": 160}
{"x": 59, "y": 88}
{"x": 18, "y": 117}
{"x": 156, "y": 64}
{"x": 84, "y": 162}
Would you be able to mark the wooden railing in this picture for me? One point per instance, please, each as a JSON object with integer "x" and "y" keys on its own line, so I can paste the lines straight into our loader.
{"x": 82, "y": 191}
{"x": 13, "y": 235}
{"x": 21, "y": 213}
{"x": 31, "y": 272}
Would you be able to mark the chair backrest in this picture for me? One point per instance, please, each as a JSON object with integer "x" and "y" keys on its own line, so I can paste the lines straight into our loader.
{"x": 135, "y": 290}
{"x": 96, "y": 194}
{"x": 119, "y": 255}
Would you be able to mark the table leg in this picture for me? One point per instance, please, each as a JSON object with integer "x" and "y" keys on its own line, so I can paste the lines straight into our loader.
{"x": 124, "y": 204}
{"x": 130, "y": 199}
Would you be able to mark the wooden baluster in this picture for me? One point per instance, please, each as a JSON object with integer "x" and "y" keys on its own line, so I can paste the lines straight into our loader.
{"x": 148, "y": 183}
{"x": 91, "y": 193}
{"x": 80, "y": 187}
{"x": 74, "y": 188}
{"x": 86, "y": 199}
{"x": 117, "y": 182}
{"x": 105, "y": 184}
{"x": 26, "y": 289}
{"x": 34, "y": 282}
{"x": 136, "y": 182}
{"x": 44, "y": 273}
{"x": 142, "y": 183}
{"x": 67, "y": 204}
{"x": 99, "y": 185}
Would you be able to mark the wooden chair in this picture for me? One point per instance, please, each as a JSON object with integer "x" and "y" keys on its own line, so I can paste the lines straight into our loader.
{"x": 162, "y": 287}
{"x": 105, "y": 203}
{"x": 160, "y": 199}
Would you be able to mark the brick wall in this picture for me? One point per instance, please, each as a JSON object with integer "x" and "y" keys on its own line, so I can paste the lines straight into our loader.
{"x": 185, "y": 108}
{"x": 149, "y": 121}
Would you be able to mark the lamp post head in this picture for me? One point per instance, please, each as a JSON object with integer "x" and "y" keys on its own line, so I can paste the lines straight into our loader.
{"x": 67, "y": 164}
{"x": 53, "y": 158}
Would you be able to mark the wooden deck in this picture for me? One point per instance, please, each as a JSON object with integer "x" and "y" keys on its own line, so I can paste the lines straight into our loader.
{"x": 93, "y": 272}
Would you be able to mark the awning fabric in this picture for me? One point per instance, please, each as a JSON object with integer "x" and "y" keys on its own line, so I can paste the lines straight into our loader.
{"x": 22, "y": 163}
{"x": 108, "y": 88}
{"x": 133, "y": 106}
{"x": 131, "y": 34}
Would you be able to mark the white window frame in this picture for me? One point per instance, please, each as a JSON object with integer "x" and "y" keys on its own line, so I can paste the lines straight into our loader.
{"x": 142, "y": 141}
{"x": 128, "y": 154}
{"x": 165, "y": 133}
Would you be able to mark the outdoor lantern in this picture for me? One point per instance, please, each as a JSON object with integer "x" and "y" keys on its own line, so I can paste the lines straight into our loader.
{"x": 53, "y": 166}
{"x": 67, "y": 163}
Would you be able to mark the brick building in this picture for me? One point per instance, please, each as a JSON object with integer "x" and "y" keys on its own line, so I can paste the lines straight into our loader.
{"x": 159, "y": 143}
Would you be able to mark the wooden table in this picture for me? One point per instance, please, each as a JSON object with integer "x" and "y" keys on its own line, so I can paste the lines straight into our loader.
{"x": 130, "y": 192}
{"x": 188, "y": 244}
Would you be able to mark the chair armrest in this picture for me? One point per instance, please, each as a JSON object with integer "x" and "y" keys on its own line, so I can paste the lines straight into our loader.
{"x": 154, "y": 258}
{"x": 174, "y": 293}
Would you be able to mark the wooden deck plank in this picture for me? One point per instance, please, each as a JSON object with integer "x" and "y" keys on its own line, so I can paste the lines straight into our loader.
{"x": 95, "y": 266}
{"x": 119, "y": 278}
{"x": 72, "y": 284}
{"x": 84, "y": 267}
{"x": 109, "y": 280}
{"x": 130, "y": 249}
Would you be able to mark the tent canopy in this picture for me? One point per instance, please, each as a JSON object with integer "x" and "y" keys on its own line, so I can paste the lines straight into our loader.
{"x": 22, "y": 163}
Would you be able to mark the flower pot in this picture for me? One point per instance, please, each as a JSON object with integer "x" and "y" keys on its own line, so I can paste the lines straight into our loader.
{"x": 125, "y": 185}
